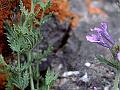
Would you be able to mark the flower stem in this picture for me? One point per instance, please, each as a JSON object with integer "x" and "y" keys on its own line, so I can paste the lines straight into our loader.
{"x": 37, "y": 67}
{"x": 116, "y": 81}
{"x": 48, "y": 87}
{"x": 18, "y": 55}
{"x": 30, "y": 72}
{"x": 32, "y": 7}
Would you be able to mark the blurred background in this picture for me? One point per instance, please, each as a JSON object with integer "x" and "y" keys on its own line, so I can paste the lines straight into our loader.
{"x": 73, "y": 56}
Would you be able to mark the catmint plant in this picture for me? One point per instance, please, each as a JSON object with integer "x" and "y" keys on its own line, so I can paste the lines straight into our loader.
{"x": 102, "y": 37}
{"x": 23, "y": 36}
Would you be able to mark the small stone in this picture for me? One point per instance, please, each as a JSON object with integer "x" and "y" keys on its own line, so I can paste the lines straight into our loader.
{"x": 85, "y": 78}
{"x": 107, "y": 87}
{"x": 70, "y": 73}
{"x": 87, "y": 64}
{"x": 60, "y": 66}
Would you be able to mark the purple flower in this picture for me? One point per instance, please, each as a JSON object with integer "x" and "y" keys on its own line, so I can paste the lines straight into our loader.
{"x": 118, "y": 56}
{"x": 101, "y": 36}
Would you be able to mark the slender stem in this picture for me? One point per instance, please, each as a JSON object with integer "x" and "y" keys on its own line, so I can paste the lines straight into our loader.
{"x": 30, "y": 72}
{"x": 18, "y": 55}
{"x": 48, "y": 87}
{"x": 40, "y": 25}
{"x": 31, "y": 78}
{"x": 116, "y": 81}
{"x": 37, "y": 67}
{"x": 32, "y": 6}
{"x": 42, "y": 16}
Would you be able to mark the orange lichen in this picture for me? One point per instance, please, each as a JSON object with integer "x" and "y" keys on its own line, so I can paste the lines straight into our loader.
{"x": 2, "y": 81}
{"x": 63, "y": 13}
{"x": 5, "y": 12}
{"x": 60, "y": 8}
{"x": 6, "y": 7}
{"x": 94, "y": 10}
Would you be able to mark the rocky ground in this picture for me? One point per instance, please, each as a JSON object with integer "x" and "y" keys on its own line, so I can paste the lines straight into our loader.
{"x": 72, "y": 52}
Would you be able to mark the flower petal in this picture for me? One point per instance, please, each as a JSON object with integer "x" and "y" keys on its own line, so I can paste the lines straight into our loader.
{"x": 101, "y": 29}
{"x": 118, "y": 56}
{"x": 107, "y": 37}
{"x": 92, "y": 38}
{"x": 97, "y": 29}
{"x": 104, "y": 26}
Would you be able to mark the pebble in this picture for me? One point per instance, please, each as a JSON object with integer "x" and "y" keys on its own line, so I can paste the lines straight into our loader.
{"x": 70, "y": 73}
{"x": 87, "y": 64}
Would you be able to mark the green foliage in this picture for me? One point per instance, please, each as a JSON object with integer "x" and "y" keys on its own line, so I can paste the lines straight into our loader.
{"x": 20, "y": 38}
{"x": 42, "y": 4}
{"x": 1, "y": 60}
{"x": 9, "y": 85}
{"x": 20, "y": 82}
{"x": 49, "y": 80}
{"x": 23, "y": 37}
{"x": 39, "y": 56}
{"x": 4, "y": 68}
{"x": 26, "y": 65}
{"x": 46, "y": 18}
{"x": 113, "y": 63}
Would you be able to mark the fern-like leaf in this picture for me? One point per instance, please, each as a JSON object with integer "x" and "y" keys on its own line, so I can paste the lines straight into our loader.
{"x": 50, "y": 78}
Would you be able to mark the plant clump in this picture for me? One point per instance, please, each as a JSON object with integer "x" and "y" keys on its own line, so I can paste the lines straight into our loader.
{"x": 60, "y": 8}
